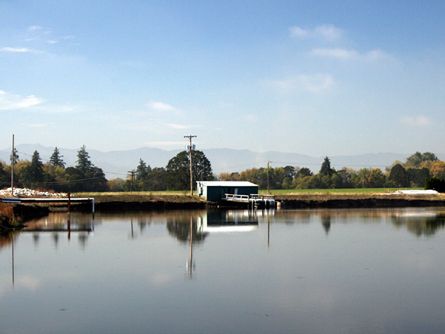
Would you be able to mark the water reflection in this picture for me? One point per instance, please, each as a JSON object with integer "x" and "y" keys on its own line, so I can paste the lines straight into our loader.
{"x": 61, "y": 223}
{"x": 228, "y": 221}
{"x": 425, "y": 223}
{"x": 299, "y": 271}
{"x": 195, "y": 226}
{"x": 418, "y": 221}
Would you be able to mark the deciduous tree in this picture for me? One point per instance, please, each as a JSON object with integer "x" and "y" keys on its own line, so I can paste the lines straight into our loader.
{"x": 179, "y": 172}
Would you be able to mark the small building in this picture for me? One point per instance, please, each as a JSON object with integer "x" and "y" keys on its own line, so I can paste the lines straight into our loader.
{"x": 214, "y": 191}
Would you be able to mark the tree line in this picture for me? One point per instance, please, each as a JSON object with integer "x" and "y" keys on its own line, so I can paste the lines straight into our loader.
{"x": 419, "y": 170}
{"x": 86, "y": 177}
{"x": 54, "y": 175}
{"x": 175, "y": 176}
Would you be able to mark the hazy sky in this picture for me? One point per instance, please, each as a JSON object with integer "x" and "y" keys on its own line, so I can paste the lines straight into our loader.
{"x": 313, "y": 77}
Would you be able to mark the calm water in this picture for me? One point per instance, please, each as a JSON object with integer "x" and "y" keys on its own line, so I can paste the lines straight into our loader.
{"x": 314, "y": 271}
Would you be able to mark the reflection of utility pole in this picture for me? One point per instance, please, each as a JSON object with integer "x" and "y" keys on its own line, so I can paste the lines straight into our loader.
{"x": 132, "y": 230}
{"x": 190, "y": 161}
{"x": 12, "y": 255}
{"x": 190, "y": 259}
{"x": 12, "y": 166}
{"x": 268, "y": 231}
{"x": 69, "y": 225}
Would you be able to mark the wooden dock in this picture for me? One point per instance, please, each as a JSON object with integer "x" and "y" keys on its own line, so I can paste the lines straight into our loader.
{"x": 253, "y": 201}
{"x": 51, "y": 200}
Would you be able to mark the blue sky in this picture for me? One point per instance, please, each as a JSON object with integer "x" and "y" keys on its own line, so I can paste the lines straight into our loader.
{"x": 320, "y": 78}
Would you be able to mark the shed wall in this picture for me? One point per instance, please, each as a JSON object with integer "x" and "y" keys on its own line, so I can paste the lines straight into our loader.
{"x": 215, "y": 194}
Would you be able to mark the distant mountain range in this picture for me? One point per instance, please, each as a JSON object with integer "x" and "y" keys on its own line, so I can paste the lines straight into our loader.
{"x": 118, "y": 163}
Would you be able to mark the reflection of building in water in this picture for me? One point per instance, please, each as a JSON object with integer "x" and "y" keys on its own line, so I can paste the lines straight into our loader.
{"x": 228, "y": 221}
{"x": 195, "y": 227}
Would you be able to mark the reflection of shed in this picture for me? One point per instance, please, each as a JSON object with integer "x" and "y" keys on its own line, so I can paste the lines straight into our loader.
{"x": 227, "y": 221}
{"x": 214, "y": 191}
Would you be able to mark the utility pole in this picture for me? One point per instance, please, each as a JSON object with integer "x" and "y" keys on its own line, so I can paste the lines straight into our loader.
{"x": 190, "y": 137}
{"x": 132, "y": 175}
{"x": 268, "y": 183}
{"x": 12, "y": 166}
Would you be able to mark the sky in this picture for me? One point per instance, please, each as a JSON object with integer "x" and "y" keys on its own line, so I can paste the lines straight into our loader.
{"x": 311, "y": 77}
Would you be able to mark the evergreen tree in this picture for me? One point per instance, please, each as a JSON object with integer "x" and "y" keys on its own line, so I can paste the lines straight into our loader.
{"x": 84, "y": 163}
{"x": 14, "y": 157}
{"x": 4, "y": 177}
{"x": 56, "y": 159}
{"x": 33, "y": 175}
{"x": 142, "y": 170}
{"x": 326, "y": 169}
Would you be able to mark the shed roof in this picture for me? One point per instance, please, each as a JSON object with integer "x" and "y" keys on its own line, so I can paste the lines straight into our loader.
{"x": 227, "y": 183}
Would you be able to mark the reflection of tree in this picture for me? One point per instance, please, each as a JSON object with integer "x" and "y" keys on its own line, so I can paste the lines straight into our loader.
{"x": 6, "y": 238}
{"x": 326, "y": 222}
{"x": 55, "y": 236}
{"x": 419, "y": 226}
{"x": 36, "y": 239}
{"x": 179, "y": 227}
{"x": 143, "y": 222}
{"x": 83, "y": 237}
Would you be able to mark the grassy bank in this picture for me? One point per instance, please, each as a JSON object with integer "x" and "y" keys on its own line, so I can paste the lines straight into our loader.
{"x": 346, "y": 191}
{"x": 141, "y": 196}
{"x": 144, "y": 200}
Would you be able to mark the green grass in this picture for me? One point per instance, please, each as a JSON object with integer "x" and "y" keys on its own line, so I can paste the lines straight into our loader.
{"x": 134, "y": 193}
{"x": 346, "y": 191}
{"x": 180, "y": 193}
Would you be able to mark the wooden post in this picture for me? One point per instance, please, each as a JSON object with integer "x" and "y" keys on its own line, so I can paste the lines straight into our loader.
{"x": 69, "y": 225}
{"x": 93, "y": 207}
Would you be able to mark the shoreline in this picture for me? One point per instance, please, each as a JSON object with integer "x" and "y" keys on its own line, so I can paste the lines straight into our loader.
{"x": 14, "y": 215}
{"x": 364, "y": 201}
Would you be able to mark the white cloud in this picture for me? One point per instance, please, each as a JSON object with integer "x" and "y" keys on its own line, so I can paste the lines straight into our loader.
{"x": 326, "y": 32}
{"x": 10, "y": 101}
{"x": 60, "y": 109}
{"x": 416, "y": 121}
{"x": 350, "y": 54}
{"x": 336, "y": 53}
{"x": 299, "y": 32}
{"x": 377, "y": 54}
{"x": 250, "y": 118}
{"x": 316, "y": 83}
{"x": 160, "y": 106}
{"x": 166, "y": 144}
{"x": 10, "y": 49}
{"x": 42, "y": 34}
{"x": 178, "y": 126}
{"x": 35, "y": 28}
{"x": 36, "y": 125}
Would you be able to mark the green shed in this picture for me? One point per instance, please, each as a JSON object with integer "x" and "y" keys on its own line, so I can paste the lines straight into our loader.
{"x": 214, "y": 191}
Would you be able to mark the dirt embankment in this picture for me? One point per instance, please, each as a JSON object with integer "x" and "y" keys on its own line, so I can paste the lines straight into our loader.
{"x": 358, "y": 201}
{"x": 142, "y": 201}
{"x": 12, "y": 216}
